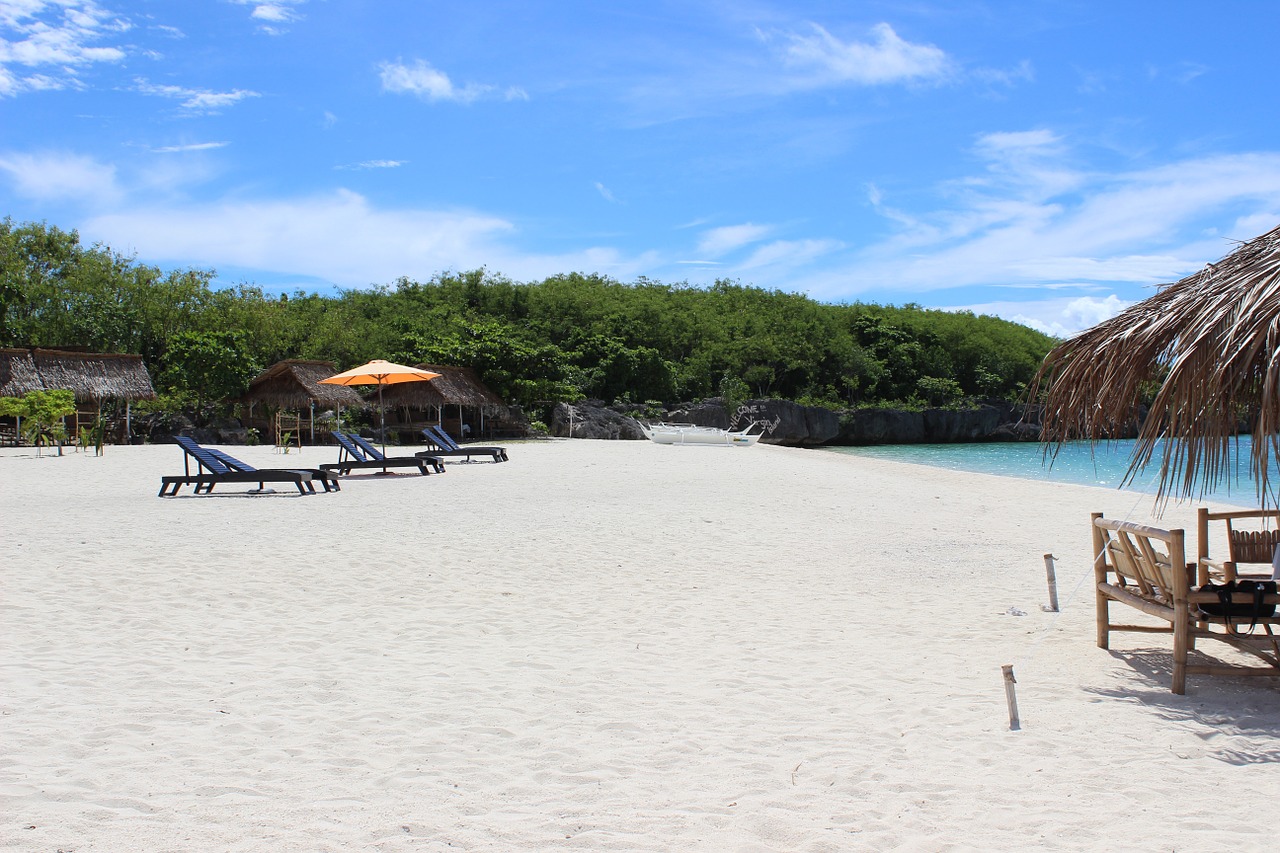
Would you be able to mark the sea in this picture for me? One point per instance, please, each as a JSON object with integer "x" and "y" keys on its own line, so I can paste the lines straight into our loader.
{"x": 1103, "y": 464}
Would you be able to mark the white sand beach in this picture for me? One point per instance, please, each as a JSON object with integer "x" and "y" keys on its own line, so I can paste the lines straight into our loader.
{"x": 598, "y": 646}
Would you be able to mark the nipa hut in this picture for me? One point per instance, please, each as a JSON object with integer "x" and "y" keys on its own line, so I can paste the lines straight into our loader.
{"x": 95, "y": 378}
{"x": 456, "y": 399}
{"x": 294, "y": 386}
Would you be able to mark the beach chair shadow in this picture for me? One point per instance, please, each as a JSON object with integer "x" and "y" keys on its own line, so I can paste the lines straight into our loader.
{"x": 443, "y": 446}
{"x": 354, "y": 453}
{"x": 214, "y": 466}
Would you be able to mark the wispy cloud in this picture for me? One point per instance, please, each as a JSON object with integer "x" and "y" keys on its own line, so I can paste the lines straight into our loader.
{"x": 1033, "y": 223}
{"x": 196, "y": 100}
{"x": 273, "y": 14}
{"x": 821, "y": 59}
{"x": 59, "y": 36}
{"x": 720, "y": 241}
{"x": 374, "y": 164}
{"x": 59, "y": 176}
{"x": 341, "y": 238}
{"x": 605, "y": 193}
{"x": 195, "y": 146}
{"x": 431, "y": 84}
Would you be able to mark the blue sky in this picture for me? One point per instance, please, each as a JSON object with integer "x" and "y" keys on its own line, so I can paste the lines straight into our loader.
{"x": 1049, "y": 162}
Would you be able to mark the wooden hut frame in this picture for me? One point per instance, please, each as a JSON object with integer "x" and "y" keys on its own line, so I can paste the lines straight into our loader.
{"x": 94, "y": 378}
{"x": 294, "y": 385}
{"x": 455, "y": 386}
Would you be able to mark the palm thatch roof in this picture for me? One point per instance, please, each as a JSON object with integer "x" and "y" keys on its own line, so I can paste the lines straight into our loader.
{"x": 1208, "y": 345}
{"x": 295, "y": 384}
{"x": 455, "y": 386}
{"x": 93, "y": 377}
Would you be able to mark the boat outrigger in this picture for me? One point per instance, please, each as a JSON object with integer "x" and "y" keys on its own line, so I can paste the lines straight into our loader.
{"x": 664, "y": 433}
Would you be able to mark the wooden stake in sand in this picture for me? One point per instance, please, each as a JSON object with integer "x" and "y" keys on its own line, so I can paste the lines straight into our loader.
{"x": 1052, "y": 578}
{"x": 1011, "y": 697}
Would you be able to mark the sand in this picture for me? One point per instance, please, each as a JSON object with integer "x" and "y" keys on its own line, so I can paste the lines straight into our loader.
{"x": 596, "y": 646}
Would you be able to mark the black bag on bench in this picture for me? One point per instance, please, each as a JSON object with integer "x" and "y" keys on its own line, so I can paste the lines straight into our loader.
{"x": 1233, "y": 612}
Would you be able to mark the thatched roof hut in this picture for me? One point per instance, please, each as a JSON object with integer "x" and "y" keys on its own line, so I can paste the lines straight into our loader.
{"x": 295, "y": 384}
{"x": 455, "y": 386}
{"x": 1210, "y": 343}
{"x": 93, "y": 377}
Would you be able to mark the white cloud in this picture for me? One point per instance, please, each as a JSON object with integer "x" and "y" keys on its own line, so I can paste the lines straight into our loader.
{"x": 195, "y": 146}
{"x": 61, "y": 177}
{"x": 272, "y": 13}
{"x": 720, "y": 241}
{"x": 431, "y": 84}
{"x": 57, "y": 35}
{"x": 789, "y": 253}
{"x": 885, "y": 59}
{"x": 1059, "y": 317}
{"x": 605, "y": 193}
{"x": 375, "y": 164}
{"x": 1031, "y": 218}
{"x": 275, "y": 13}
{"x": 196, "y": 100}
{"x": 338, "y": 237}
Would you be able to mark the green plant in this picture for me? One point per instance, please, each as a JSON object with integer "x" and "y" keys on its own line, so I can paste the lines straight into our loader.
{"x": 95, "y": 435}
{"x": 42, "y": 413}
{"x": 252, "y": 437}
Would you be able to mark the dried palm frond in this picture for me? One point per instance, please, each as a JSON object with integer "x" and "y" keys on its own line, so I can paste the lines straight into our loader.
{"x": 1210, "y": 343}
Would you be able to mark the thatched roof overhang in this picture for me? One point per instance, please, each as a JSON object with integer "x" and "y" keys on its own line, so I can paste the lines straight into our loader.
{"x": 455, "y": 386}
{"x": 92, "y": 377}
{"x": 18, "y": 374}
{"x": 1208, "y": 346}
{"x": 295, "y": 384}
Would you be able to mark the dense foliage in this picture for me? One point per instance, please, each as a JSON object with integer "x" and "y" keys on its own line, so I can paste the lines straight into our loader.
{"x": 564, "y": 338}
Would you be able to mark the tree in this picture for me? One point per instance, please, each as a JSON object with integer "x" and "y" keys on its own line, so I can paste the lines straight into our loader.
{"x": 209, "y": 366}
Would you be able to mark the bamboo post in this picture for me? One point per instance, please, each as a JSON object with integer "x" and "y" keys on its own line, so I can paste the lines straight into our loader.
{"x": 1052, "y": 580}
{"x": 1181, "y": 611}
{"x": 1202, "y": 545}
{"x": 1011, "y": 697}
{"x": 1101, "y": 602}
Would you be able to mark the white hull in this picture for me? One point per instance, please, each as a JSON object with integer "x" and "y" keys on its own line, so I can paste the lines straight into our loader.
{"x": 690, "y": 434}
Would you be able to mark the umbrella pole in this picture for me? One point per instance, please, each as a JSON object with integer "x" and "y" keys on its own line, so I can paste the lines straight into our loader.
{"x": 382, "y": 420}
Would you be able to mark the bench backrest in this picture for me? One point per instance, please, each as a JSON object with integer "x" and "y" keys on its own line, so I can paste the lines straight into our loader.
{"x": 1145, "y": 558}
{"x": 1251, "y": 546}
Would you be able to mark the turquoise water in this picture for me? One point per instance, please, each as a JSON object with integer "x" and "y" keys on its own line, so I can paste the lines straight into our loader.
{"x": 1104, "y": 464}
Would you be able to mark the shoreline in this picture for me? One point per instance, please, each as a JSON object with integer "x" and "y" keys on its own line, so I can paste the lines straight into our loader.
{"x": 595, "y": 646}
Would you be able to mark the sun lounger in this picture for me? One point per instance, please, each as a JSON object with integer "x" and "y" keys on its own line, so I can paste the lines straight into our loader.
{"x": 444, "y": 446}
{"x": 214, "y": 467}
{"x": 354, "y": 453}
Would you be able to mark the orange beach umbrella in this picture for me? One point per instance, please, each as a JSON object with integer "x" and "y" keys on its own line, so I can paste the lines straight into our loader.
{"x": 380, "y": 372}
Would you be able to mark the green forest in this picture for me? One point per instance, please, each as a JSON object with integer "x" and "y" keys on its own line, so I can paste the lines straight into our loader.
{"x": 568, "y": 337}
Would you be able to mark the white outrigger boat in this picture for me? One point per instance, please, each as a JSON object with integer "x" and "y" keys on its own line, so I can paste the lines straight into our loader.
{"x": 664, "y": 433}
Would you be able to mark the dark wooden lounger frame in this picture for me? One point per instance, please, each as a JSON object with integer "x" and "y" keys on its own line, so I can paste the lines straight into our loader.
{"x": 215, "y": 466}
{"x": 354, "y": 453}
{"x": 444, "y": 446}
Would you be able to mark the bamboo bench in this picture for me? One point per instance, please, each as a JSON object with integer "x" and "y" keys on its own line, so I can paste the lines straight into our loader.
{"x": 1145, "y": 568}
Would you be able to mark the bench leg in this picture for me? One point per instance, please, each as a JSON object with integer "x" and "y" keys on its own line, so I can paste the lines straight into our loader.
{"x": 1181, "y": 638}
